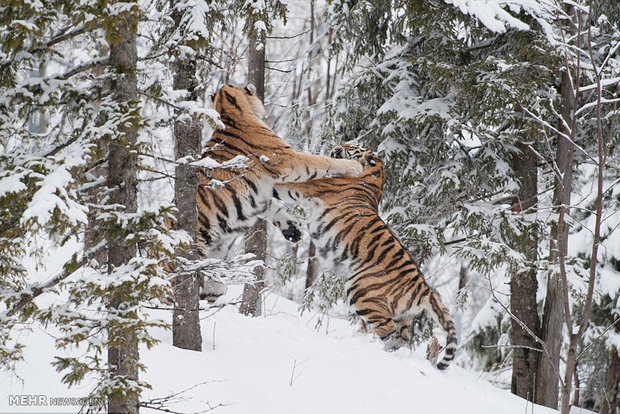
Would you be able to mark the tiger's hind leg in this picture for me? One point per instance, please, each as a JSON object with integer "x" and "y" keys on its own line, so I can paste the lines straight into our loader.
{"x": 400, "y": 337}
{"x": 394, "y": 342}
{"x": 378, "y": 317}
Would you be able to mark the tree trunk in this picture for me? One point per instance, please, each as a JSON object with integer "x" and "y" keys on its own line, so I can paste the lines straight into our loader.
{"x": 312, "y": 265}
{"x": 123, "y": 358}
{"x": 547, "y": 378}
{"x": 187, "y": 138}
{"x": 256, "y": 242}
{"x": 523, "y": 283}
{"x": 612, "y": 389}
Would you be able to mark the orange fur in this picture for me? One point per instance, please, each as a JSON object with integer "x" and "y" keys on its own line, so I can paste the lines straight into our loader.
{"x": 385, "y": 286}
{"x": 247, "y": 192}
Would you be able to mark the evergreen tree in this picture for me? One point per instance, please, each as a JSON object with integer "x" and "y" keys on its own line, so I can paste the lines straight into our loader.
{"x": 463, "y": 101}
{"x": 186, "y": 43}
{"x": 89, "y": 91}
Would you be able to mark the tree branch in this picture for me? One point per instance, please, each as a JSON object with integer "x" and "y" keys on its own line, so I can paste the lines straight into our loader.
{"x": 82, "y": 68}
{"x": 67, "y": 35}
{"x": 39, "y": 289}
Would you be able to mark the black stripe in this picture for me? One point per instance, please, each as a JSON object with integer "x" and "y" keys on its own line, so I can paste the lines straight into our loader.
{"x": 238, "y": 206}
{"x": 233, "y": 101}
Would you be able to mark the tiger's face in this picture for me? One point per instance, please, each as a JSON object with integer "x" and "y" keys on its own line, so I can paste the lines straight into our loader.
{"x": 355, "y": 152}
{"x": 232, "y": 99}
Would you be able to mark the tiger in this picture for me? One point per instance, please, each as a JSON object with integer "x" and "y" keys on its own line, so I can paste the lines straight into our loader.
{"x": 245, "y": 193}
{"x": 231, "y": 200}
{"x": 385, "y": 287}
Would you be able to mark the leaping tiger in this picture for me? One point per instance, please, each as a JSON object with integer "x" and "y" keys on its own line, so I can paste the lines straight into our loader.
{"x": 246, "y": 195}
{"x": 385, "y": 287}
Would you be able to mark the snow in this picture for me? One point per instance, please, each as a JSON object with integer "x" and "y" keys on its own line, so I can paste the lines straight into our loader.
{"x": 278, "y": 363}
{"x": 490, "y": 13}
{"x": 46, "y": 200}
{"x": 12, "y": 184}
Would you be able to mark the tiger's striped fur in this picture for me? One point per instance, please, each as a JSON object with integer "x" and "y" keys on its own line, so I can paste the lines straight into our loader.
{"x": 385, "y": 286}
{"x": 247, "y": 192}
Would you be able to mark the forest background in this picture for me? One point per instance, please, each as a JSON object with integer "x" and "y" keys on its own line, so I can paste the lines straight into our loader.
{"x": 497, "y": 122}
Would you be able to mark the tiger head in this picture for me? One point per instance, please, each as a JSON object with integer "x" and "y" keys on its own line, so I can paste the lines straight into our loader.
{"x": 354, "y": 152}
{"x": 372, "y": 173}
{"x": 238, "y": 101}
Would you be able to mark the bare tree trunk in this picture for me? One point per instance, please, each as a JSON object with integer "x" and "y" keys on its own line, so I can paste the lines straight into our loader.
{"x": 577, "y": 386}
{"x": 308, "y": 121}
{"x": 187, "y": 142}
{"x": 612, "y": 388}
{"x": 256, "y": 241}
{"x": 122, "y": 178}
{"x": 602, "y": 152}
{"x": 523, "y": 283}
{"x": 547, "y": 378}
{"x": 462, "y": 278}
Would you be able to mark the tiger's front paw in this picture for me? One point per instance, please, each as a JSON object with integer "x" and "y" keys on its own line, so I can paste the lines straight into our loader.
{"x": 291, "y": 231}
{"x": 350, "y": 167}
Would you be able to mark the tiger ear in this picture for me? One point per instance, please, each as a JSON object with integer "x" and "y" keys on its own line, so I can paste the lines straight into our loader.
{"x": 372, "y": 161}
{"x": 250, "y": 89}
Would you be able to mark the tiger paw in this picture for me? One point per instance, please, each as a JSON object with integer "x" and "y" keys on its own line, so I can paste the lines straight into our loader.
{"x": 349, "y": 167}
{"x": 293, "y": 232}
{"x": 393, "y": 343}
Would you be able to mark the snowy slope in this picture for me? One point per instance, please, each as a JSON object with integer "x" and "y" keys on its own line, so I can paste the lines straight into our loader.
{"x": 279, "y": 363}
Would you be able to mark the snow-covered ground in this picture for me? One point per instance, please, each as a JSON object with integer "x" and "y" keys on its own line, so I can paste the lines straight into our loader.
{"x": 279, "y": 363}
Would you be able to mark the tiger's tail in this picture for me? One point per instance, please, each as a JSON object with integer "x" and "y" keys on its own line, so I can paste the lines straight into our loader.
{"x": 440, "y": 313}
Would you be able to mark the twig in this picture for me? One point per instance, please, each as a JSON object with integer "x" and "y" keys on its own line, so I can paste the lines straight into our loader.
{"x": 288, "y": 37}
{"x": 171, "y": 309}
{"x": 219, "y": 308}
{"x": 214, "y": 325}
{"x": 293, "y": 372}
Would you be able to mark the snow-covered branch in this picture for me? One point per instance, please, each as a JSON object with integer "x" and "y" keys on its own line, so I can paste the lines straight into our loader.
{"x": 69, "y": 268}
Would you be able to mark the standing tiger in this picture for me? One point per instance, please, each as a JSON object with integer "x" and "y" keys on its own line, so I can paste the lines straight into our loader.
{"x": 246, "y": 193}
{"x": 385, "y": 287}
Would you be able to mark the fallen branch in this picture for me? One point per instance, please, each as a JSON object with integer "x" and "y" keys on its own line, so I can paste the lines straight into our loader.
{"x": 162, "y": 403}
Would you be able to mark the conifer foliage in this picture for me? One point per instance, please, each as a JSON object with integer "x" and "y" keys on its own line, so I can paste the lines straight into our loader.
{"x": 470, "y": 107}
{"x": 72, "y": 104}
{"x": 482, "y": 111}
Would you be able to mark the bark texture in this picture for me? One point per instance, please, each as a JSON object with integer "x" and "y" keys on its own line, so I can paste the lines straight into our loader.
{"x": 612, "y": 388}
{"x": 256, "y": 241}
{"x": 123, "y": 357}
{"x": 547, "y": 378}
{"x": 311, "y": 270}
{"x": 523, "y": 283}
{"x": 187, "y": 143}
